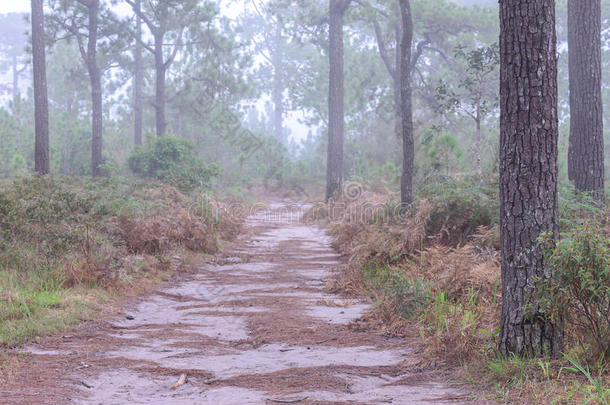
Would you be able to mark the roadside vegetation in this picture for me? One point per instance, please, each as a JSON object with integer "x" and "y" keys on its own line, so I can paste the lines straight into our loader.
{"x": 70, "y": 247}
{"x": 436, "y": 273}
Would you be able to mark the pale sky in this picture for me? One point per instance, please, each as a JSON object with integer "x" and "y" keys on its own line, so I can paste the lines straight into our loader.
{"x": 12, "y": 6}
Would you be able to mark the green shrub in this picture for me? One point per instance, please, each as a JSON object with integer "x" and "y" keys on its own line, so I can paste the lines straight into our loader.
{"x": 459, "y": 208}
{"x": 173, "y": 161}
{"x": 580, "y": 287}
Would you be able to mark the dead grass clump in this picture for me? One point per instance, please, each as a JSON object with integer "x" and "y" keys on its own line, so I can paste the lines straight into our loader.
{"x": 414, "y": 231}
{"x": 167, "y": 194}
{"x": 349, "y": 281}
{"x": 159, "y": 233}
{"x": 347, "y": 235}
{"x": 229, "y": 221}
{"x": 83, "y": 270}
{"x": 386, "y": 317}
{"x": 487, "y": 237}
{"x": 382, "y": 242}
{"x": 461, "y": 271}
{"x": 179, "y": 221}
{"x": 356, "y": 204}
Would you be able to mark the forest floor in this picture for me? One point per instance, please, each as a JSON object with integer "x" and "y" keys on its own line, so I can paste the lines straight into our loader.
{"x": 256, "y": 325}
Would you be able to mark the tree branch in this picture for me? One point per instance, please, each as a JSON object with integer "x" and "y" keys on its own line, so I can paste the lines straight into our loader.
{"x": 419, "y": 50}
{"x": 140, "y": 14}
{"x": 382, "y": 49}
{"x": 177, "y": 45}
{"x": 369, "y": 6}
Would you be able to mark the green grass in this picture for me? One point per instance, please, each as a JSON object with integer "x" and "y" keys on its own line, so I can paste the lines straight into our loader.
{"x": 518, "y": 380}
{"x": 37, "y": 303}
{"x": 409, "y": 295}
{"x": 596, "y": 389}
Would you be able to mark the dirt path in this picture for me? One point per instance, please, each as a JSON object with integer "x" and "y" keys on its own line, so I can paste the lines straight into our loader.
{"x": 255, "y": 328}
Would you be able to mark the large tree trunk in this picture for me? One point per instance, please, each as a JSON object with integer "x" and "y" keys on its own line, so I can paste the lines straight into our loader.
{"x": 334, "y": 161}
{"x": 586, "y": 148}
{"x": 41, "y": 101}
{"x": 138, "y": 81}
{"x": 160, "y": 70}
{"x": 528, "y": 170}
{"x": 406, "y": 105}
{"x": 95, "y": 77}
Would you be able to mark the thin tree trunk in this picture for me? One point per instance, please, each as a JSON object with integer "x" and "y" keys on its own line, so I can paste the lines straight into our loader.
{"x": 95, "y": 77}
{"x": 278, "y": 88}
{"x": 528, "y": 170}
{"x": 138, "y": 80}
{"x": 160, "y": 86}
{"x": 393, "y": 68}
{"x": 41, "y": 101}
{"x": 479, "y": 142}
{"x": 334, "y": 162}
{"x": 65, "y": 163}
{"x": 396, "y": 77}
{"x": 586, "y": 142}
{"x": 408, "y": 148}
{"x": 15, "y": 78}
{"x": 278, "y": 113}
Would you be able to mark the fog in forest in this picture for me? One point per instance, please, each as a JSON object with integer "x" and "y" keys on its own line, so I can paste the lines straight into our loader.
{"x": 452, "y": 155}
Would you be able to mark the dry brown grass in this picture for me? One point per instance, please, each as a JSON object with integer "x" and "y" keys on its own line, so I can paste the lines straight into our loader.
{"x": 462, "y": 270}
{"x": 159, "y": 233}
{"x": 467, "y": 276}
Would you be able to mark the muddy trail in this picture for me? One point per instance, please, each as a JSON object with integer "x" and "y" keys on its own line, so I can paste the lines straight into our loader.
{"x": 256, "y": 327}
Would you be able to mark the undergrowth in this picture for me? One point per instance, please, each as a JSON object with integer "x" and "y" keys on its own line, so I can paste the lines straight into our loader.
{"x": 67, "y": 245}
{"x": 436, "y": 271}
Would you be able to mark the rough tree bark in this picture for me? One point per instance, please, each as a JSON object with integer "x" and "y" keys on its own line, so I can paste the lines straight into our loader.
{"x": 138, "y": 80}
{"x": 334, "y": 161}
{"x": 528, "y": 169}
{"x": 586, "y": 143}
{"x": 41, "y": 101}
{"x": 406, "y": 105}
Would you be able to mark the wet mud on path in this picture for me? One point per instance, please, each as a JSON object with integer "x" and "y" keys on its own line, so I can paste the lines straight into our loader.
{"x": 257, "y": 327}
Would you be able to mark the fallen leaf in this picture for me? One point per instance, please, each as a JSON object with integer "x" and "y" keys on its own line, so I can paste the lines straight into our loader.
{"x": 181, "y": 381}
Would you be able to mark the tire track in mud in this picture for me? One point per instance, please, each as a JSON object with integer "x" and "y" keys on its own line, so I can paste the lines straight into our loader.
{"x": 255, "y": 328}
